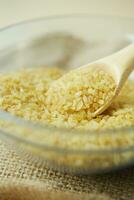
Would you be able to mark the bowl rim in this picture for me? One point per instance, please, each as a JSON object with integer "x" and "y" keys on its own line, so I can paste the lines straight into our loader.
{"x": 61, "y": 16}
{"x": 19, "y": 121}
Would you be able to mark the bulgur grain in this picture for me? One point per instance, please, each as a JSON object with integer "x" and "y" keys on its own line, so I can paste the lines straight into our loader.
{"x": 80, "y": 90}
{"x": 34, "y": 94}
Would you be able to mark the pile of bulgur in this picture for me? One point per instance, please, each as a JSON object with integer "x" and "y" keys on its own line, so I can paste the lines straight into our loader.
{"x": 34, "y": 94}
{"x": 80, "y": 93}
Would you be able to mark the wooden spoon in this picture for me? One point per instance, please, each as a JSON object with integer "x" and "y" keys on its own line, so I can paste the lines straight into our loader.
{"x": 119, "y": 66}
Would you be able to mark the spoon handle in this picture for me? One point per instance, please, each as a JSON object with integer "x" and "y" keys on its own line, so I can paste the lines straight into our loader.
{"x": 123, "y": 61}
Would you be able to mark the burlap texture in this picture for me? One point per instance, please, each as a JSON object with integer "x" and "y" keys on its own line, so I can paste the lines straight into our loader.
{"x": 36, "y": 190}
{"x": 22, "y": 180}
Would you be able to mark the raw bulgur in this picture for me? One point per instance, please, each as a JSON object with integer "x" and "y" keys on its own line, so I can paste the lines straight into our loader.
{"x": 33, "y": 94}
{"x": 80, "y": 93}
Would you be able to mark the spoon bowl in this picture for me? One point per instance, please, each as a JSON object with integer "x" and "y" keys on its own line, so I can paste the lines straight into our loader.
{"x": 118, "y": 66}
{"x": 91, "y": 89}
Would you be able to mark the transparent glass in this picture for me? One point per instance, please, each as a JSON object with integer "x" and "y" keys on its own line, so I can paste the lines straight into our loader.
{"x": 66, "y": 42}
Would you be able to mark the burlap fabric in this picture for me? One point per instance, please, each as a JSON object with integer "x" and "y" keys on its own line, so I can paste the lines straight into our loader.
{"x": 21, "y": 180}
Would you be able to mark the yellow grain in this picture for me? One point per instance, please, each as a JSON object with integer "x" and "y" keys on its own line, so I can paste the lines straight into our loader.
{"x": 34, "y": 94}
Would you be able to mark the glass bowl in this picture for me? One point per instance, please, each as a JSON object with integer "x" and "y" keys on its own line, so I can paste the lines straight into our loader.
{"x": 66, "y": 42}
